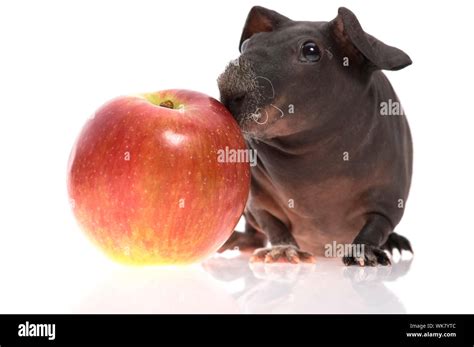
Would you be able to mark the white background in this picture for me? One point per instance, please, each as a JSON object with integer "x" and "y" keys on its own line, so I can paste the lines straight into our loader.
{"x": 60, "y": 60}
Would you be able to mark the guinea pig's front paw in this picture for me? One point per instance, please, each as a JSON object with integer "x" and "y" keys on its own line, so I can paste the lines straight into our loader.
{"x": 370, "y": 256}
{"x": 282, "y": 254}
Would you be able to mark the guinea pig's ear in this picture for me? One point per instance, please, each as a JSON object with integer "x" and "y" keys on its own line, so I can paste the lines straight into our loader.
{"x": 261, "y": 19}
{"x": 365, "y": 48}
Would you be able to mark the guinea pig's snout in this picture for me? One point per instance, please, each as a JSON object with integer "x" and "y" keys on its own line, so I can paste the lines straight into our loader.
{"x": 238, "y": 88}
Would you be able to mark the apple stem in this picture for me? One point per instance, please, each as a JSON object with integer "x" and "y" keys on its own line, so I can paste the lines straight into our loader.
{"x": 167, "y": 103}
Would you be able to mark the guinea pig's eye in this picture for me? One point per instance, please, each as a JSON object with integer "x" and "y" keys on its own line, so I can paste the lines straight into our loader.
{"x": 310, "y": 52}
{"x": 244, "y": 45}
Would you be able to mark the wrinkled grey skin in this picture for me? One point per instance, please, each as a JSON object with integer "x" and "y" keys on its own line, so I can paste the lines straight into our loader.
{"x": 333, "y": 170}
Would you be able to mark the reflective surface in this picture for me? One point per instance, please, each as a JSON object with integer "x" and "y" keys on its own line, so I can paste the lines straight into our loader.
{"x": 327, "y": 286}
{"x": 231, "y": 285}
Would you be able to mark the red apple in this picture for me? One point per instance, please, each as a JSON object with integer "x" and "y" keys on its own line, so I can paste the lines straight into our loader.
{"x": 145, "y": 180}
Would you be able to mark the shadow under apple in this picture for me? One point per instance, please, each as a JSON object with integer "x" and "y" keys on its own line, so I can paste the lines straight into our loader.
{"x": 179, "y": 289}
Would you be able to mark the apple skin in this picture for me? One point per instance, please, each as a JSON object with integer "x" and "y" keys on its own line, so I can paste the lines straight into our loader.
{"x": 145, "y": 182}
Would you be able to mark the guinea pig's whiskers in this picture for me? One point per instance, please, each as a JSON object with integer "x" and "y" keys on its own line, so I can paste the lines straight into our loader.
{"x": 257, "y": 115}
{"x": 271, "y": 85}
{"x": 282, "y": 113}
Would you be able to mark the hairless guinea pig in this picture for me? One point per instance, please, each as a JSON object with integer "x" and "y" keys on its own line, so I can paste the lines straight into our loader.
{"x": 334, "y": 150}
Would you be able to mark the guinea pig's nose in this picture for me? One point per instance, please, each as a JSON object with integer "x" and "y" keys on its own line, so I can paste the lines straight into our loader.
{"x": 234, "y": 102}
{"x": 237, "y": 99}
